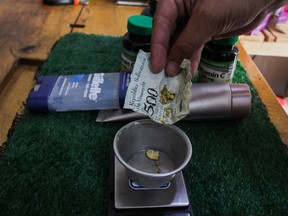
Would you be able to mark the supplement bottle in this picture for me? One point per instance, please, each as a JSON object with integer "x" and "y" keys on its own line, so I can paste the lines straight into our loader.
{"x": 218, "y": 61}
{"x": 150, "y": 10}
{"x": 138, "y": 37}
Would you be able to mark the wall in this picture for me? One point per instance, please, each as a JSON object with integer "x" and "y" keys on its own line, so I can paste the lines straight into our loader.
{"x": 275, "y": 71}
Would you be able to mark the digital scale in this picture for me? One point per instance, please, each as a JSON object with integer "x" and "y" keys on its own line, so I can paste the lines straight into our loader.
{"x": 129, "y": 199}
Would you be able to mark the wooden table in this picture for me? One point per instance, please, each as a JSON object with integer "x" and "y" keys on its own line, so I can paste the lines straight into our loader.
{"x": 29, "y": 30}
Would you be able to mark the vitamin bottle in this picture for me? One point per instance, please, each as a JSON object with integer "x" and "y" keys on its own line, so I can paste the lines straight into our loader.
{"x": 138, "y": 37}
{"x": 150, "y": 9}
{"x": 218, "y": 60}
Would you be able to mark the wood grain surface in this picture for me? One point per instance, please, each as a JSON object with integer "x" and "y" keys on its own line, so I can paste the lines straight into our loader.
{"x": 103, "y": 17}
{"x": 29, "y": 29}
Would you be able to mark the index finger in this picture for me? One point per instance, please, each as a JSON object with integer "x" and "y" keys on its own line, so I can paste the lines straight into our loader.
{"x": 163, "y": 26}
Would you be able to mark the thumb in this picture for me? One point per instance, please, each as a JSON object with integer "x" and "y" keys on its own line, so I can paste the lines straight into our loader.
{"x": 188, "y": 45}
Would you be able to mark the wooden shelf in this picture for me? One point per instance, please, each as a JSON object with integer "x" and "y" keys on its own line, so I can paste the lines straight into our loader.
{"x": 268, "y": 42}
{"x": 265, "y": 48}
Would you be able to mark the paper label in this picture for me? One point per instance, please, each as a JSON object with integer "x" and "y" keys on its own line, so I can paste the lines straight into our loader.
{"x": 164, "y": 99}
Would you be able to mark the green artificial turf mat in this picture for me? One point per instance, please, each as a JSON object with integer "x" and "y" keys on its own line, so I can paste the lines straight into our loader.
{"x": 58, "y": 164}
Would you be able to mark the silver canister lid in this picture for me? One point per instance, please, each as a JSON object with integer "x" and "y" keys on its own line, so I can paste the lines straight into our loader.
{"x": 240, "y": 100}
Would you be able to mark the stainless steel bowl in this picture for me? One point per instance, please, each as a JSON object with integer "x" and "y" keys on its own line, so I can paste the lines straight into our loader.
{"x": 133, "y": 140}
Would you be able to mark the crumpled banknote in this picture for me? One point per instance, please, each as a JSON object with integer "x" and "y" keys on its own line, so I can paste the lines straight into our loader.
{"x": 164, "y": 99}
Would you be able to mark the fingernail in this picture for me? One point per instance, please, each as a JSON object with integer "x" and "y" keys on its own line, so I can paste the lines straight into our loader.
{"x": 153, "y": 69}
{"x": 172, "y": 68}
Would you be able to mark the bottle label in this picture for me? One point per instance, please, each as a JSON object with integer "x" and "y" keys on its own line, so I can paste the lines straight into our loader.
{"x": 213, "y": 71}
{"x": 128, "y": 59}
{"x": 85, "y": 92}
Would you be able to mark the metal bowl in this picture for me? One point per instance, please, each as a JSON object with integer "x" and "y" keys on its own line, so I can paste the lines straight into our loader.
{"x": 133, "y": 140}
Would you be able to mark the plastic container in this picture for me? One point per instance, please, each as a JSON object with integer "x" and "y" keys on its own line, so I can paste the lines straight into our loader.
{"x": 98, "y": 91}
{"x": 138, "y": 37}
{"x": 135, "y": 138}
{"x": 218, "y": 61}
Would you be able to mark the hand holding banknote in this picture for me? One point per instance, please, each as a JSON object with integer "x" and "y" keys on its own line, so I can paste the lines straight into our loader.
{"x": 164, "y": 99}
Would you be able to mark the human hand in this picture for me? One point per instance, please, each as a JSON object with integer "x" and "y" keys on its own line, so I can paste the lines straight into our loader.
{"x": 182, "y": 27}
